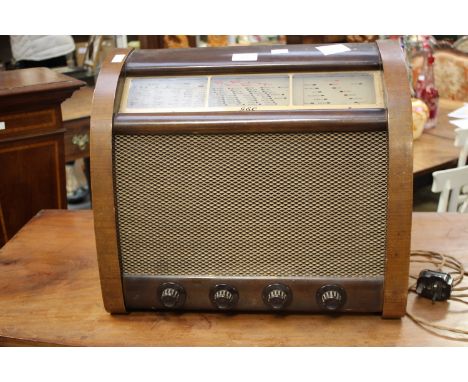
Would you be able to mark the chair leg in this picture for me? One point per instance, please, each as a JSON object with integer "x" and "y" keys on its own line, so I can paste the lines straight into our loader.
{"x": 443, "y": 200}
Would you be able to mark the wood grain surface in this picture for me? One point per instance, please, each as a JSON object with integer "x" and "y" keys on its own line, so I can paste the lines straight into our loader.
{"x": 432, "y": 153}
{"x": 76, "y": 129}
{"x": 435, "y": 149}
{"x": 50, "y": 294}
{"x": 444, "y": 129}
{"x": 144, "y": 62}
{"x": 400, "y": 178}
{"x": 32, "y": 169}
{"x": 76, "y": 112}
{"x": 102, "y": 114}
{"x": 24, "y": 81}
{"x": 261, "y": 121}
{"x": 39, "y": 87}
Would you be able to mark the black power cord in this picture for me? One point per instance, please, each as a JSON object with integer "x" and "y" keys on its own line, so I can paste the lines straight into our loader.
{"x": 439, "y": 286}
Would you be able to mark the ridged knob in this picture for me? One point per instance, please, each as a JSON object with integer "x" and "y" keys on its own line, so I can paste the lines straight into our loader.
{"x": 171, "y": 295}
{"x": 331, "y": 297}
{"x": 277, "y": 296}
{"x": 224, "y": 296}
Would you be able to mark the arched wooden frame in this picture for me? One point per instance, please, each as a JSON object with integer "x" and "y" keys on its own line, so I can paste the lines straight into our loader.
{"x": 400, "y": 179}
{"x": 104, "y": 104}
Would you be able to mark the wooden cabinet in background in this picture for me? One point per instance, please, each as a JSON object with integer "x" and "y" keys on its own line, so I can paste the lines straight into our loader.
{"x": 76, "y": 113}
{"x": 32, "y": 170}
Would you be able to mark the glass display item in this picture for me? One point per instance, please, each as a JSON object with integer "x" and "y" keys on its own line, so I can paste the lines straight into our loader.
{"x": 425, "y": 86}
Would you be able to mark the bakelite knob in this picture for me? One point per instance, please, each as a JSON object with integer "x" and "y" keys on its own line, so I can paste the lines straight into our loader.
{"x": 171, "y": 295}
{"x": 331, "y": 297}
{"x": 224, "y": 296}
{"x": 277, "y": 296}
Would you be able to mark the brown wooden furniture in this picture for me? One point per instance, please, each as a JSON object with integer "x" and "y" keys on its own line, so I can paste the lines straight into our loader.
{"x": 76, "y": 112}
{"x": 400, "y": 180}
{"x": 133, "y": 138}
{"x": 50, "y": 295}
{"x": 32, "y": 175}
{"x": 104, "y": 107}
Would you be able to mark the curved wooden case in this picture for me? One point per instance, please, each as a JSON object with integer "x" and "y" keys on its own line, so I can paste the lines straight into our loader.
{"x": 395, "y": 118}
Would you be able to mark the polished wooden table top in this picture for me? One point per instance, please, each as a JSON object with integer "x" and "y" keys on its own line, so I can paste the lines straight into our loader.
{"x": 432, "y": 153}
{"x": 435, "y": 149}
{"x": 444, "y": 128}
{"x": 50, "y": 294}
{"x": 34, "y": 80}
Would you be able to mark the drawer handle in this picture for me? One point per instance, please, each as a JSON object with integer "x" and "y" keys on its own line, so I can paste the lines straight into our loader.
{"x": 81, "y": 141}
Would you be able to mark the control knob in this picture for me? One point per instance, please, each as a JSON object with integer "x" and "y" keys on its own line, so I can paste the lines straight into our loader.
{"x": 331, "y": 297}
{"x": 171, "y": 295}
{"x": 224, "y": 296}
{"x": 277, "y": 296}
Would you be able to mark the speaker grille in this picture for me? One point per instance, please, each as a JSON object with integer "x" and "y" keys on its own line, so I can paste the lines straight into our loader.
{"x": 258, "y": 204}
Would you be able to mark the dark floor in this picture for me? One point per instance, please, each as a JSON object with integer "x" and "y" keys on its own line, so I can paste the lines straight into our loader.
{"x": 424, "y": 200}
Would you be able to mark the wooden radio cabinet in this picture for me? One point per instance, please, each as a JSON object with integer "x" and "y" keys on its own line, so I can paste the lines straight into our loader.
{"x": 257, "y": 178}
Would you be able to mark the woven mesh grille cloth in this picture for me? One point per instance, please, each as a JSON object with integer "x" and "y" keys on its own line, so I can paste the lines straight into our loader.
{"x": 302, "y": 205}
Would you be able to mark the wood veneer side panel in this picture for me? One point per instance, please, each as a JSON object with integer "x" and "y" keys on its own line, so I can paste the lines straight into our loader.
{"x": 400, "y": 180}
{"x": 102, "y": 183}
{"x": 36, "y": 162}
{"x": 3, "y": 230}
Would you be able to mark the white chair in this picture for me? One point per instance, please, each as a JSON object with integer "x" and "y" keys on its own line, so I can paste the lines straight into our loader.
{"x": 450, "y": 185}
{"x": 461, "y": 141}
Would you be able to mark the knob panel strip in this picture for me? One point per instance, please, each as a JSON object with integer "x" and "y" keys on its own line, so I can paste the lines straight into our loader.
{"x": 361, "y": 295}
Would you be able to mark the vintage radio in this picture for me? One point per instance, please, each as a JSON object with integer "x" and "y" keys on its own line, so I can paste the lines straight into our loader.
{"x": 258, "y": 178}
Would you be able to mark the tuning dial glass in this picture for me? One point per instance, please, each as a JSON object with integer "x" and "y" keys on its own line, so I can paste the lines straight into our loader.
{"x": 331, "y": 297}
{"x": 277, "y": 296}
{"x": 171, "y": 295}
{"x": 224, "y": 296}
